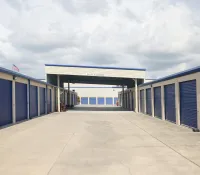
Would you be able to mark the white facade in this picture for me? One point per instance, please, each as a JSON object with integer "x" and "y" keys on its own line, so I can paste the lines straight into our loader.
{"x": 97, "y": 72}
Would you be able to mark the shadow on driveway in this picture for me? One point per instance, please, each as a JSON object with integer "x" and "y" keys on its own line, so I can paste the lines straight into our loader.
{"x": 97, "y": 108}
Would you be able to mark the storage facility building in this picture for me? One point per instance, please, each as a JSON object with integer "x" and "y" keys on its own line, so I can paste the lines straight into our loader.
{"x": 174, "y": 98}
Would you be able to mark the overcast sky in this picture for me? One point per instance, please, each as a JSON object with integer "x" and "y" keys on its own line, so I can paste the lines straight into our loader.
{"x": 162, "y": 36}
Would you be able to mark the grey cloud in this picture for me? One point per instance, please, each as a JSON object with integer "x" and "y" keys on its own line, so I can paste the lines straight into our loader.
{"x": 99, "y": 58}
{"x": 156, "y": 61}
{"x": 92, "y": 6}
{"x": 129, "y": 14}
{"x": 18, "y": 4}
{"x": 119, "y": 2}
{"x": 2, "y": 56}
{"x": 35, "y": 43}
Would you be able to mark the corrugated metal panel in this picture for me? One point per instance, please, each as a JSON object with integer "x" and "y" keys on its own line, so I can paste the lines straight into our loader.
{"x": 115, "y": 100}
{"x": 109, "y": 101}
{"x": 21, "y": 101}
{"x": 157, "y": 102}
{"x": 148, "y": 102}
{"x": 33, "y": 101}
{"x": 49, "y": 101}
{"x": 66, "y": 102}
{"x": 128, "y": 101}
{"x": 42, "y": 101}
{"x": 125, "y": 94}
{"x": 188, "y": 103}
{"x": 100, "y": 100}
{"x": 72, "y": 99}
{"x": 170, "y": 104}
{"x": 55, "y": 99}
{"x": 142, "y": 101}
{"x": 5, "y": 102}
{"x": 92, "y": 100}
{"x": 84, "y": 100}
{"x": 132, "y": 98}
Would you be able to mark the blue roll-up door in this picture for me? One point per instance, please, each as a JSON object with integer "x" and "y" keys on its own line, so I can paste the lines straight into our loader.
{"x": 157, "y": 102}
{"x": 21, "y": 101}
{"x": 49, "y": 101}
{"x": 148, "y": 102}
{"x": 100, "y": 100}
{"x": 188, "y": 103}
{"x": 115, "y": 100}
{"x": 142, "y": 101}
{"x": 109, "y": 101}
{"x": 84, "y": 100}
{"x": 92, "y": 100}
{"x": 170, "y": 104}
{"x": 42, "y": 101}
{"x": 5, "y": 102}
{"x": 33, "y": 101}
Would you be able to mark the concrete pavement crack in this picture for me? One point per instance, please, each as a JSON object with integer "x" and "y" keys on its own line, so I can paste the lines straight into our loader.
{"x": 161, "y": 142}
{"x": 61, "y": 153}
{"x": 126, "y": 167}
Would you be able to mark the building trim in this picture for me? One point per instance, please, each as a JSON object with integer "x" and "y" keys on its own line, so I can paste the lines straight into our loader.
{"x": 10, "y": 72}
{"x": 96, "y": 67}
{"x": 179, "y": 74}
{"x": 96, "y": 87}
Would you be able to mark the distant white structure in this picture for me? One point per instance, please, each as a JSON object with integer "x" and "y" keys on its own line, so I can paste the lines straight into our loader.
{"x": 96, "y": 94}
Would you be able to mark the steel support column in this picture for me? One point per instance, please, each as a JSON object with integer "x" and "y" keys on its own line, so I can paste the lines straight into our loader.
{"x": 123, "y": 96}
{"x": 136, "y": 96}
{"x": 68, "y": 94}
{"x": 58, "y": 85}
{"x": 13, "y": 102}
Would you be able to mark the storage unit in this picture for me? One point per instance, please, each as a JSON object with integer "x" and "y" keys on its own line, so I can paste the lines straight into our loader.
{"x": 5, "y": 102}
{"x": 84, "y": 100}
{"x": 170, "y": 103}
{"x": 109, "y": 101}
{"x": 115, "y": 100}
{"x": 148, "y": 102}
{"x": 100, "y": 100}
{"x": 49, "y": 101}
{"x": 21, "y": 101}
{"x": 157, "y": 102}
{"x": 188, "y": 103}
{"x": 92, "y": 101}
{"x": 33, "y": 101}
{"x": 42, "y": 101}
{"x": 142, "y": 101}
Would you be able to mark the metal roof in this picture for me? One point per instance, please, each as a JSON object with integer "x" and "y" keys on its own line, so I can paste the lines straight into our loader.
{"x": 7, "y": 71}
{"x": 96, "y": 67}
{"x": 179, "y": 74}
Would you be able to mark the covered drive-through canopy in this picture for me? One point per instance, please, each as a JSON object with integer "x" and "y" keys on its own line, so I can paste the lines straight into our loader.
{"x": 60, "y": 74}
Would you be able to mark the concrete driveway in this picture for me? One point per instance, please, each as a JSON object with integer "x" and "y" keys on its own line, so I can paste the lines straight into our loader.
{"x": 98, "y": 142}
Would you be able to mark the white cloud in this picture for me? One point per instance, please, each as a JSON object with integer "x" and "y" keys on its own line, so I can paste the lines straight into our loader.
{"x": 162, "y": 36}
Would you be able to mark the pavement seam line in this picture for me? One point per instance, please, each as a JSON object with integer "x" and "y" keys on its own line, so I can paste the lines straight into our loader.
{"x": 61, "y": 153}
{"x": 162, "y": 142}
{"x": 129, "y": 169}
